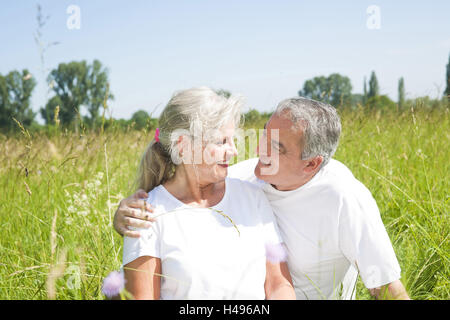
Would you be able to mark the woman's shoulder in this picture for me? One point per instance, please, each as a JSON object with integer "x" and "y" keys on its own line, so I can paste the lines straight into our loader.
{"x": 155, "y": 195}
{"x": 249, "y": 199}
{"x": 161, "y": 199}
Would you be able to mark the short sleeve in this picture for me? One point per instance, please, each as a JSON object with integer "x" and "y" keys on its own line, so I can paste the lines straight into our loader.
{"x": 270, "y": 226}
{"x": 364, "y": 241}
{"x": 148, "y": 244}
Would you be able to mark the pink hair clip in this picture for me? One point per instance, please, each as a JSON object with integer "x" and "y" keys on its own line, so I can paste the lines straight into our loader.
{"x": 157, "y": 135}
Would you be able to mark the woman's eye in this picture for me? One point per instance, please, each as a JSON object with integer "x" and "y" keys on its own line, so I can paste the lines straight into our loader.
{"x": 221, "y": 141}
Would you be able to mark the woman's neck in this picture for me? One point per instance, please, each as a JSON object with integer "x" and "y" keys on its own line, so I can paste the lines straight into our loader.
{"x": 187, "y": 187}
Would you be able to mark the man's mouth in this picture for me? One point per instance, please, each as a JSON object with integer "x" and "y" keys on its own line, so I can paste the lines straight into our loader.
{"x": 264, "y": 163}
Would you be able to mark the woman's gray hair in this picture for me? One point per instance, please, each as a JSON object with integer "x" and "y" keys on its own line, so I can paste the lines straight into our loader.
{"x": 319, "y": 122}
{"x": 197, "y": 113}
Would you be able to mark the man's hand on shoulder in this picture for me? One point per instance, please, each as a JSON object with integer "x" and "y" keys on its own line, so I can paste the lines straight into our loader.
{"x": 133, "y": 211}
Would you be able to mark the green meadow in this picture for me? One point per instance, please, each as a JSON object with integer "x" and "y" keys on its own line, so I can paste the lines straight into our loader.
{"x": 59, "y": 190}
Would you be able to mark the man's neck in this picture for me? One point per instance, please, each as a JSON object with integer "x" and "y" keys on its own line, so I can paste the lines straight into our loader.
{"x": 296, "y": 185}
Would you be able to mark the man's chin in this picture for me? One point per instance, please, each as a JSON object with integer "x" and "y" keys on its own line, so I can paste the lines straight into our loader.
{"x": 260, "y": 176}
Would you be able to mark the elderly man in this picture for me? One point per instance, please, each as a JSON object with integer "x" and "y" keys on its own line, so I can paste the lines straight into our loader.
{"x": 329, "y": 221}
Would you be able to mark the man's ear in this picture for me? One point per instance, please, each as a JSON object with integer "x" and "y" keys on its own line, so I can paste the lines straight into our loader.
{"x": 314, "y": 164}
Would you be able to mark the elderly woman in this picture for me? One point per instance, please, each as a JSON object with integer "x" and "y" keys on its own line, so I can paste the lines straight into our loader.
{"x": 211, "y": 232}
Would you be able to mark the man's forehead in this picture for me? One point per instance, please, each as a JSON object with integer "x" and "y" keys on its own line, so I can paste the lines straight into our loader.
{"x": 282, "y": 123}
{"x": 289, "y": 135}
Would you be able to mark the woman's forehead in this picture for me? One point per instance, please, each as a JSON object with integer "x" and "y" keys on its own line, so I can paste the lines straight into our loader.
{"x": 226, "y": 130}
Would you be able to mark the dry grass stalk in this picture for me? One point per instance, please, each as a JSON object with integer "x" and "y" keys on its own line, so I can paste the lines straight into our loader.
{"x": 53, "y": 234}
{"x": 56, "y": 118}
{"x": 56, "y": 271}
{"x": 27, "y": 188}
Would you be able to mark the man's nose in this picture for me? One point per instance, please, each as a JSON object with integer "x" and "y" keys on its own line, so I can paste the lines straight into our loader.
{"x": 262, "y": 148}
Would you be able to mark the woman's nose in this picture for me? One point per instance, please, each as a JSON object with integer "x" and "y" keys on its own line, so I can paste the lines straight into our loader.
{"x": 232, "y": 150}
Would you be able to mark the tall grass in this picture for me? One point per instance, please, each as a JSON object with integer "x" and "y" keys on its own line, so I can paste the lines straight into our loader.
{"x": 403, "y": 159}
{"x": 59, "y": 191}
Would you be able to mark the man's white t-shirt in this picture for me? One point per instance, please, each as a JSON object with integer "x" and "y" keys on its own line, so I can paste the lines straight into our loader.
{"x": 332, "y": 229}
{"x": 203, "y": 254}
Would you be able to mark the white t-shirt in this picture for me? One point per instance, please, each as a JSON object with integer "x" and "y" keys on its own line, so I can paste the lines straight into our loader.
{"x": 331, "y": 227}
{"x": 203, "y": 255}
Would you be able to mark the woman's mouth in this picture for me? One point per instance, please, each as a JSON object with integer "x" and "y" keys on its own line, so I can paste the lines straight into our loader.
{"x": 223, "y": 164}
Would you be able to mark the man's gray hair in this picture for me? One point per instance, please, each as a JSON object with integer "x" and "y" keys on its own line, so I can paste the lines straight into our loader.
{"x": 319, "y": 122}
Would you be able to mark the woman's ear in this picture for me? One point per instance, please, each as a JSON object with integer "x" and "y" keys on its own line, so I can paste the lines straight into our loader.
{"x": 184, "y": 145}
{"x": 180, "y": 144}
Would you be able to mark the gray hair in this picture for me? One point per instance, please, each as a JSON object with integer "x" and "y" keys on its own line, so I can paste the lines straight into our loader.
{"x": 193, "y": 113}
{"x": 319, "y": 122}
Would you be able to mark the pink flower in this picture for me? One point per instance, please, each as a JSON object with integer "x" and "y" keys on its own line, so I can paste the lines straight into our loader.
{"x": 275, "y": 253}
{"x": 113, "y": 284}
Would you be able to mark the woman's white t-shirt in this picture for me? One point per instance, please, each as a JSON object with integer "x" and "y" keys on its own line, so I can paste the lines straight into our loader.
{"x": 203, "y": 254}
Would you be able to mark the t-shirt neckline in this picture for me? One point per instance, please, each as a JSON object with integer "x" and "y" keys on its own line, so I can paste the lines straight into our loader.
{"x": 272, "y": 189}
{"x": 216, "y": 206}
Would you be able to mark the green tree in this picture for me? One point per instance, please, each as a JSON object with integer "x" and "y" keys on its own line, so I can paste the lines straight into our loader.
{"x": 5, "y": 113}
{"x": 427, "y": 103}
{"x": 15, "y": 94}
{"x": 77, "y": 85}
{"x": 141, "y": 119}
{"x": 357, "y": 99}
{"x": 374, "y": 89}
{"x": 69, "y": 83}
{"x": 223, "y": 92}
{"x": 50, "y": 107}
{"x": 334, "y": 89}
{"x": 364, "y": 100}
{"x": 98, "y": 89}
{"x": 252, "y": 117}
{"x": 380, "y": 102}
{"x": 401, "y": 93}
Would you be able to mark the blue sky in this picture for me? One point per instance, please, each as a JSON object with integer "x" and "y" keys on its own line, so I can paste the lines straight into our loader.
{"x": 264, "y": 50}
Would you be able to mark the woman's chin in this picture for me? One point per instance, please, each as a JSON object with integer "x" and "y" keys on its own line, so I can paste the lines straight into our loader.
{"x": 221, "y": 172}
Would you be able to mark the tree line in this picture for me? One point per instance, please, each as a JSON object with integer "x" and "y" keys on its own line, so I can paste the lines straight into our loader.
{"x": 336, "y": 90}
{"x": 78, "y": 84}
{"x": 74, "y": 85}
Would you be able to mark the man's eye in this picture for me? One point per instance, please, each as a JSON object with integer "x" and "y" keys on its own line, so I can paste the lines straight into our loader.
{"x": 275, "y": 147}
